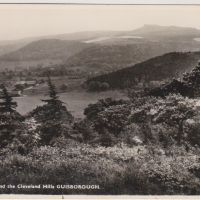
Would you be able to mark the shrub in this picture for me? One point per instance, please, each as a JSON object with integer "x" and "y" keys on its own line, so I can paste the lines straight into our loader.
{"x": 96, "y": 86}
{"x": 163, "y": 120}
{"x": 117, "y": 170}
{"x": 63, "y": 87}
{"x": 92, "y": 110}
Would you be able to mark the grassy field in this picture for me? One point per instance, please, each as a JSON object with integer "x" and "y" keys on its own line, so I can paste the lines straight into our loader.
{"x": 75, "y": 101}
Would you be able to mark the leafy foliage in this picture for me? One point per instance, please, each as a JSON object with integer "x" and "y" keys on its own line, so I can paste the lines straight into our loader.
{"x": 146, "y": 170}
{"x": 95, "y": 86}
{"x": 165, "y": 119}
{"x": 107, "y": 118}
{"x": 175, "y": 86}
{"x": 145, "y": 145}
{"x": 189, "y": 86}
{"x": 7, "y": 104}
{"x": 93, "y": 109}
{"x": 53, "y": 117}
{"x": 9, "y": 119}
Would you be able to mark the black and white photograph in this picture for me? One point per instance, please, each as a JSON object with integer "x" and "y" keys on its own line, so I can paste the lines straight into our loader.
{"x": 99, "y": 99}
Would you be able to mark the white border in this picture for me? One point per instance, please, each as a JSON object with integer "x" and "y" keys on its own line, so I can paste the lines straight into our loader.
{"x": 99, "y": 197}
{"x": 119, "y": 2}
{"x": 101, "y": 2}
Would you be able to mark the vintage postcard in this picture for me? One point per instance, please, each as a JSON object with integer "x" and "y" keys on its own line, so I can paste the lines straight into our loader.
{"x": 99, "y": 99}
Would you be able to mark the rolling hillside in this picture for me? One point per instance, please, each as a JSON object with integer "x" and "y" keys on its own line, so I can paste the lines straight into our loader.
{"x": 131, "y": 47}
{"x": 150, "y": 33}
{"x": 46, "y": 49}
{"x": 7, "y": 46}
{"x": 170, "y": 32}
{"x": 42, "y": 52}
{"x": 98, "y": 51}
{"x": 114, "y": 57}
{"x": 10, "y": 47}
{"x": 156, "y": 69}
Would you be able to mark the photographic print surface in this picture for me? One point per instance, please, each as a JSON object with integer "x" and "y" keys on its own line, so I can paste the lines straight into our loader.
{"x": 100, "y": 100}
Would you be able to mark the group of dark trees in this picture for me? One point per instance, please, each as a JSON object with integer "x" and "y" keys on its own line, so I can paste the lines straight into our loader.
{"x": 97, "y": 86}
{"x": 189, "y": 86}
{"x": 161, "y": 115}
{"x": 13, "y": 131}
{"x": 141, "y": 119}
{"x": 10, "y": 120}
{"x": 157, "y": 69}
{"x": 52, "y": 121}
{"x": 53, "y": 117}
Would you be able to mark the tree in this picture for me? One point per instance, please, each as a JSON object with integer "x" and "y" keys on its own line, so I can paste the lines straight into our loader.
{"x": 53, "y": 100}
{"x": 53, "y": 117}
{"x": 189, "y": 86}
{"x": 63, "y": 87}
{"x": 164, "y": 119}
{"x": 92, "y": 110}
{"x": 93, "y": 86}
{"x": 96, "y": 86}
{"x": 174, "y": 87}
{"x": 10, "y": 120}
{"x": 113, "y": 119}
{"x": 192, "y": 79}
{"x": 7, "y": 104}
{"x": 104, "y": 86}
{"x": 85, "y": 129}
{"x": 106, "y": 139}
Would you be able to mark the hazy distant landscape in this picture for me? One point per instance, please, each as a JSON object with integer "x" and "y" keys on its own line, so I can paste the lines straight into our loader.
{"x": 86, "y": 55}
{"x": 75, "y": 59}
{"x": 105, "y": 112}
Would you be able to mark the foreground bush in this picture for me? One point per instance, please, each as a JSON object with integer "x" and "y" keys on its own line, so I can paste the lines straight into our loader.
{"x": 117, "y": 170}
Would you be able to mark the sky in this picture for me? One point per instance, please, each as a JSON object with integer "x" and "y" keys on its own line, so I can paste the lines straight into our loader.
{"x": 21, "y": 21}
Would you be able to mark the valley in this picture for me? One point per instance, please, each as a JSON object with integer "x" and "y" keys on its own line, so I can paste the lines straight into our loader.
{"x": 102, "y": 99}
{"x": 117, "y": 59}
{"x": 75, "y": 101}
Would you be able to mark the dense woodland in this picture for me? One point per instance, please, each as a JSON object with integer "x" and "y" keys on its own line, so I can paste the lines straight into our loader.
{"x": 159, "y": 68}
{"x": 148, "y": 144}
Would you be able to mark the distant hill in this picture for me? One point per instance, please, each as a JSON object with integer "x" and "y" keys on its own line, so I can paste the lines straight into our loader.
{"x": 150, "y": 33}
{"x": 46, "y": 52}
{"x": 113, "y": 57}
{"x": 170, "y": 32}
{"x": 131, "y": 47}
{"x": 9, "y": 47}
{"x": 46, "y": 49}
{"x": 156, "y": 69}
{"x": 98, "y": 51}
{"x": 107, "y": 58}
{"x": 85, "y": 35}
